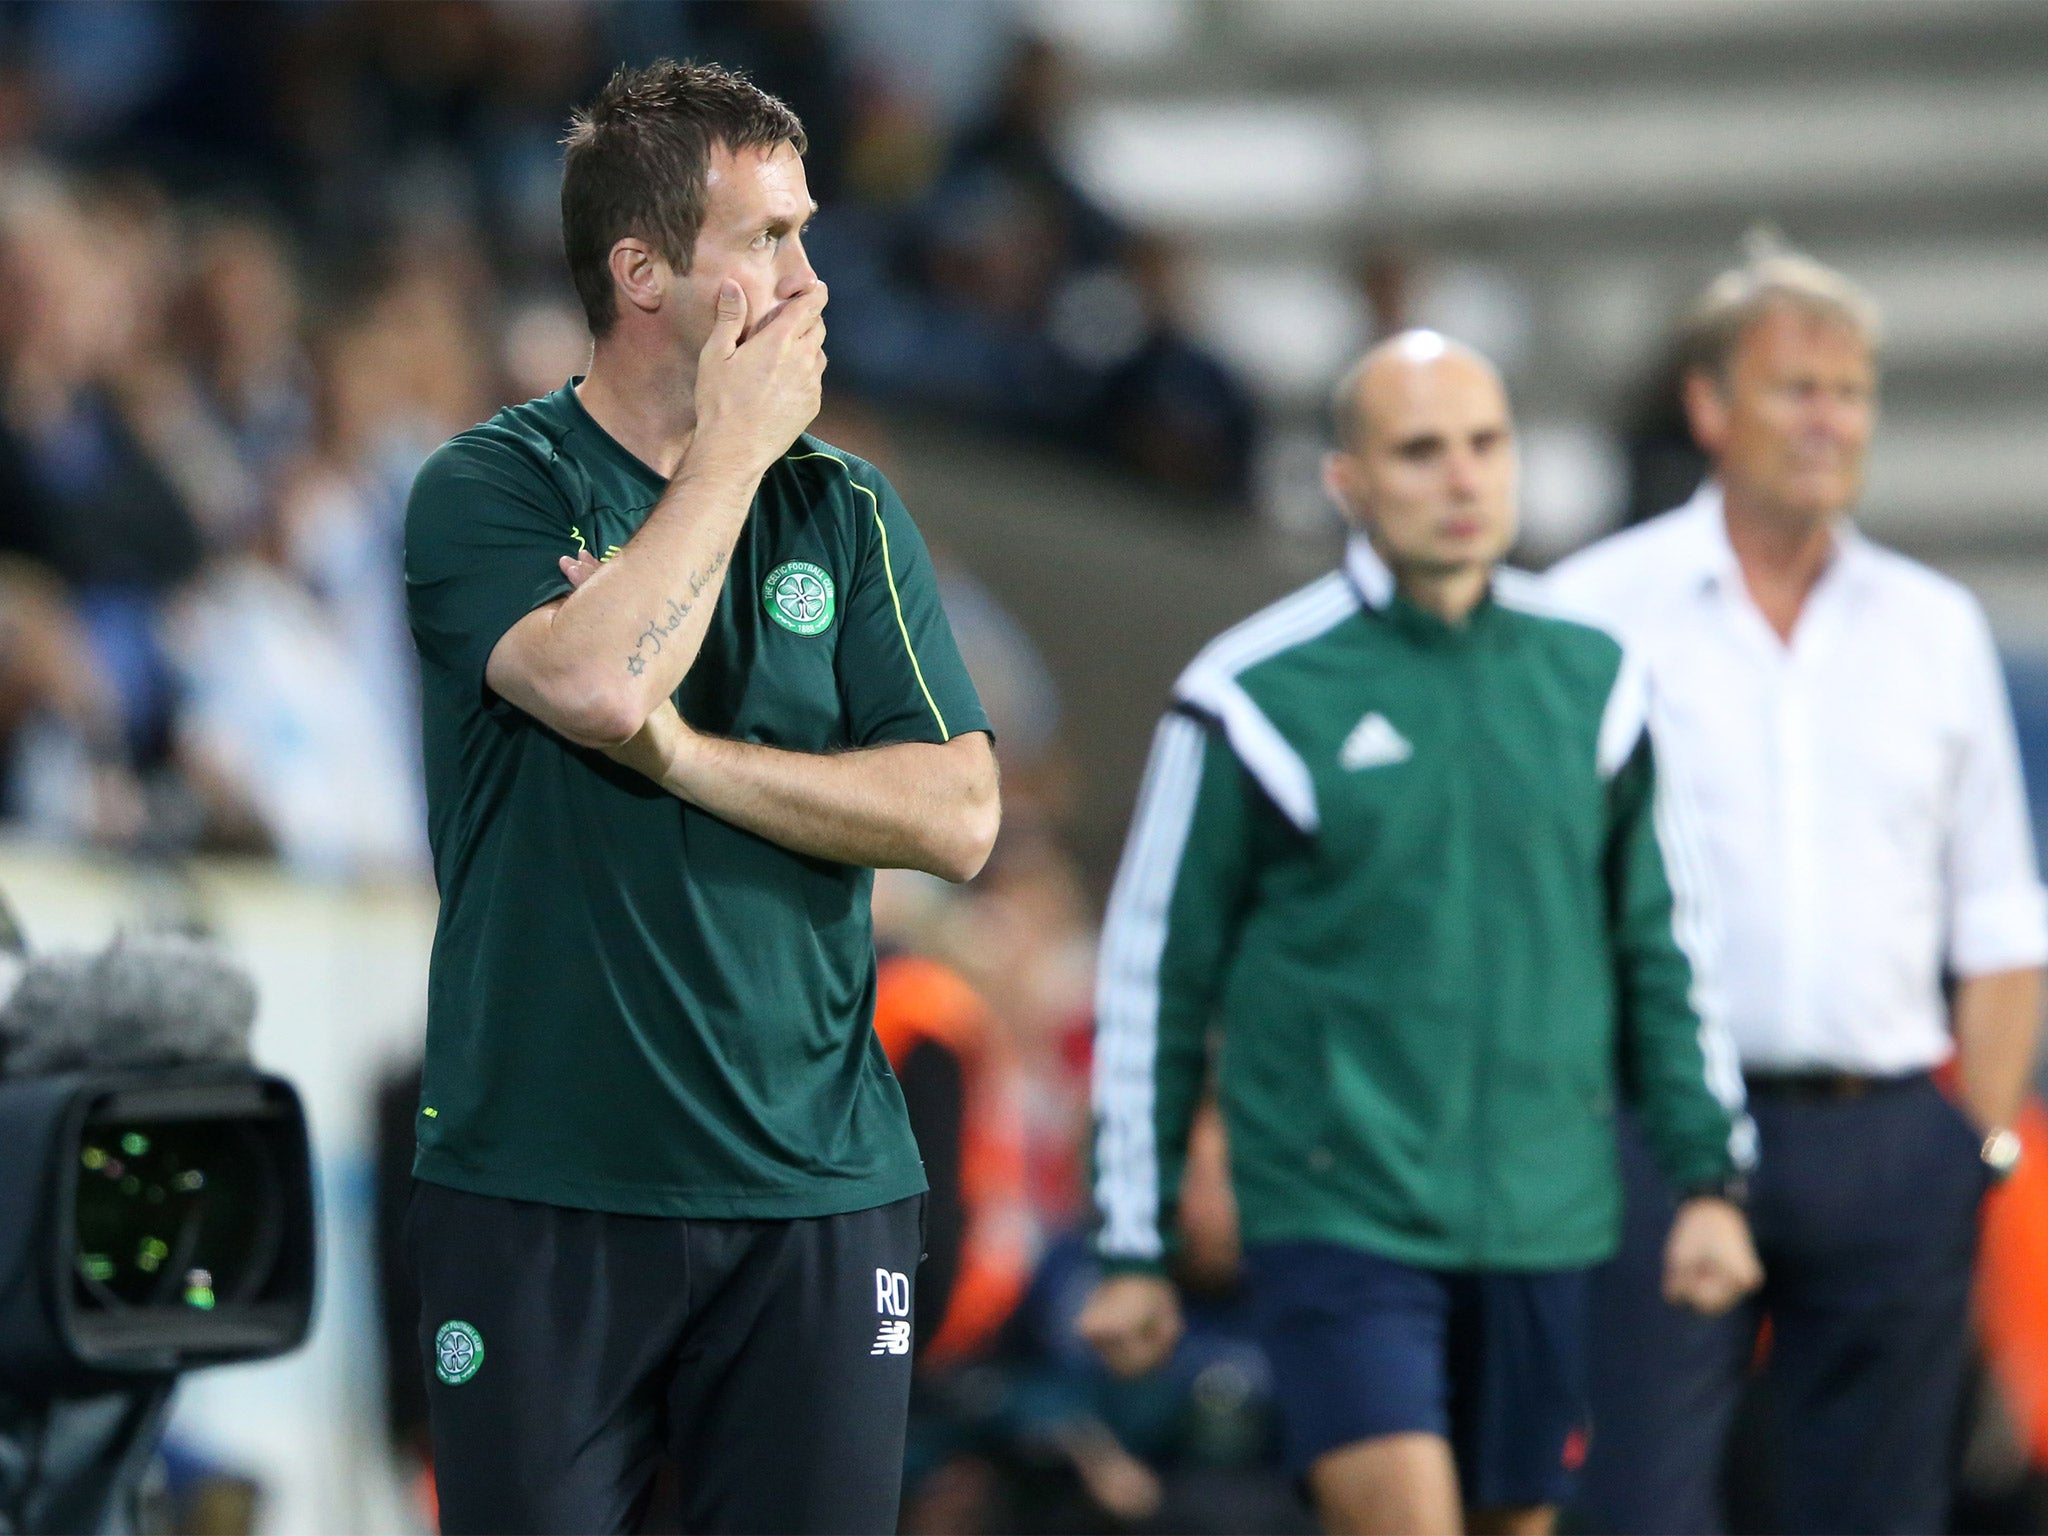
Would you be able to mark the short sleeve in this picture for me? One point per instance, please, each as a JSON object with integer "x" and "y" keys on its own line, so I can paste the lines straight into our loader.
{"x": 483, "y": 532}
{"x": 900, "y": 673}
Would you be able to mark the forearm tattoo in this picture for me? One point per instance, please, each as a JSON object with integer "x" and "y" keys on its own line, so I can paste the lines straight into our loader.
{"x": 671, "y": 619}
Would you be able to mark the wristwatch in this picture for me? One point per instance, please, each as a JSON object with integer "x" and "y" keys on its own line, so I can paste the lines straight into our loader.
{"x": 2001, "y": 1153}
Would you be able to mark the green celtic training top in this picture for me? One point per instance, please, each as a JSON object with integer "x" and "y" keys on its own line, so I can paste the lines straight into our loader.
{"x": 634, "y": 1006}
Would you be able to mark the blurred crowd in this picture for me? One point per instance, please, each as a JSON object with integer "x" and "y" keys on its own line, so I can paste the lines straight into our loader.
{"x": 256, "y": 262}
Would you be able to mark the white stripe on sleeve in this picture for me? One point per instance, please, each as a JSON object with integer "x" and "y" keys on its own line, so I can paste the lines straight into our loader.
{"x": 1127, "y": 993}
{"x": 1686, "y": 871}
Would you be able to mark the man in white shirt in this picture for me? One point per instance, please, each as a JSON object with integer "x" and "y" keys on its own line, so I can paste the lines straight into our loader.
{"x": 1833, "y": 717}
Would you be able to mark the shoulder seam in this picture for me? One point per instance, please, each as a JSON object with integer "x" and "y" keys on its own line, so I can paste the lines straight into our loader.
{"x": 1280, "y": 626}
{"x": 1210, "y": 683}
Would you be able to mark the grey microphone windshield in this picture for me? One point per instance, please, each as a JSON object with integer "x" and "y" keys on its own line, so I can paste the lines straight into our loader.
{"x": 147, "y": 1001}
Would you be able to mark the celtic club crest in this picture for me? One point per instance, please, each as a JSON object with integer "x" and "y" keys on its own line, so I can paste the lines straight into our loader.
{"x": 798, "y": 595}
{"x": 458, "y": 1352}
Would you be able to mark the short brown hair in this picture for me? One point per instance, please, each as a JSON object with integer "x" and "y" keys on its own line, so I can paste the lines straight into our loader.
{"x": 635, "y": 162}
{"x": 1738, "y": 298}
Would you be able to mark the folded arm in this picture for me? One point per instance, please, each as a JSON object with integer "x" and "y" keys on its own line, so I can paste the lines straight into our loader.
{"x": 932, "y": 806}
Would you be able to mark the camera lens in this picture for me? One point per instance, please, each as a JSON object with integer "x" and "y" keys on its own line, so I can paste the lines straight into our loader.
{"x": 174, "y": 1214}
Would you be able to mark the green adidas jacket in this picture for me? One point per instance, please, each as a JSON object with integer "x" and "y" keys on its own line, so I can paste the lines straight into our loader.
{"x": 1413, "y": 882}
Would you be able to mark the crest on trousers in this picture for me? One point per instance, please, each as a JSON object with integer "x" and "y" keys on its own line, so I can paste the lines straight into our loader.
{"x": 458, "y": 1352}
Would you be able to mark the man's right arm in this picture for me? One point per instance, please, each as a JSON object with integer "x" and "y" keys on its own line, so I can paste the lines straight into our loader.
{"x": 1166, "y": 944}
{"x": 1997, "y": 910}
{"x": 594, "y": 665}
{"x": 1683, "y": 1074}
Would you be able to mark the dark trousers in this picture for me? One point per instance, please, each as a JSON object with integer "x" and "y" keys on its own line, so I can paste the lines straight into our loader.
{"x": 567, "y": 1350}
{"x": 1865, "y": 1215}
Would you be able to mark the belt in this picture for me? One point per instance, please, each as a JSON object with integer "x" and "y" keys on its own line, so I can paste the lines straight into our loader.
{"x": 1823, "y": 1085}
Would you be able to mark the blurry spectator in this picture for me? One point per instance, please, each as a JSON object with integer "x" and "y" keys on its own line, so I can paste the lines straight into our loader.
{"x": 999, "y": 233}
{"x": 1015, "y": 1426}
{"x": 1027, "y": 1432}
{"x": 63, "y": 765}
{"x": 786, "y": 48}
{"x": 1837, "y": 714}
{"x": 984, "y": 254}
{"x": 541, "y": 57}
{"x": 1170, "y": 410}
{"x": 341, "y": 510}
{"x": 408, "y": 367}
{"x": 299, "y": 720}
{"x": 242, "y": 317}
{"x": 1017, "y": 143}
{"x": 894, "y": 151}
{"x": 285, "y": 742}
{"x": 18, "y": 104}
{"x": 1388, "y": 277}
{"x": 1011, "y": 296}
{"x": 87, "y": 407}
{"x": 87, "y": 498}
{"x": 544, "y": 344}
{"x": 209, "y": 122}
{"x": 431, "y": 305}
{"x": 1023, "y": 937}
{"x": 1037, "y": 1436}
{"x": 100, "y": 62}
{"x": 138, "y": 234}
{"x": 436, "y": 110}
{"x": 943, "y": 60}
{"x": 1665, "y": 465}
{"x": 1016, "y": 687}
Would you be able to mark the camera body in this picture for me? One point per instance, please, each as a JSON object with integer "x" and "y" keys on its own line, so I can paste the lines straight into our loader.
{"x": 150, "y": 1223}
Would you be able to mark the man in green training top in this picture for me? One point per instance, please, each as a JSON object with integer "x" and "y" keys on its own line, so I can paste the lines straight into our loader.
{"x": 686, "y": 683}
{"x": 1400, "y": 847}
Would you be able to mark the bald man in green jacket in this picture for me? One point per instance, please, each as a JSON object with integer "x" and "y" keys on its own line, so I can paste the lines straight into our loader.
{"x": 1401, "y": 859}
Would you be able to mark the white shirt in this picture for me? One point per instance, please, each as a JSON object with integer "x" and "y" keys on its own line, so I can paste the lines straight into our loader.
{"x": 1856, "y": 794}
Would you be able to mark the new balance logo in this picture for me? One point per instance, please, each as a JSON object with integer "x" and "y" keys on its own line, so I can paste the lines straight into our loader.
{"x": 892, "y": 1300}
{"x": 1374, "y": 743}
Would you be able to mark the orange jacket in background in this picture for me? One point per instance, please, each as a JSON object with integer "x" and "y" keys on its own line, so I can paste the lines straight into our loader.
{"x": 2012, "y": 1285}
{"x": 919, "y": 1000}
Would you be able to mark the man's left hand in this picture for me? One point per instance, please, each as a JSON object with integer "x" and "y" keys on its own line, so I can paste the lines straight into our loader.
{"x": 1710, "y": 1263}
